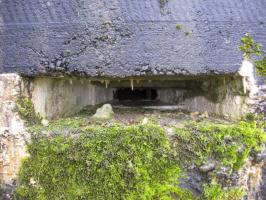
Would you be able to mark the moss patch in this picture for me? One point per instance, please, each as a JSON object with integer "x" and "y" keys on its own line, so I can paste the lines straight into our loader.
{"x": 178, "y": 26}
{"x": 25, "y": 109}
{"x": 76, "y": 158}
{"x": 229, "y": 145}
{"x": 214, "y": 191}
{"x": 118, "y": 162}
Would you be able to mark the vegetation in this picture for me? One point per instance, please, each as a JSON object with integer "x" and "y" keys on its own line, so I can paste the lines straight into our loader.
{"x": 74, "y": 158}
{"x": 214, "y": 191}
{"x": 25, "y": 109}
{"x": 118, "y": 162}
{"x": 178, "y": 26}
{"x": 249, "y": 48}
{"x": 228, "y": 145}
{"x": 261, "y": 66}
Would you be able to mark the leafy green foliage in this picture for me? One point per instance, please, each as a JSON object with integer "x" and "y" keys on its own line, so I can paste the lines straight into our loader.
{"x": 255, "y": 118}
{"x": 117, "y": 162}
{"x": 214, "y": 191}
{"x": 230, "y": 145}
{"x": 25, "y": 109}
{"x": 249, "y": 47}
{"x": 261, "y": 66}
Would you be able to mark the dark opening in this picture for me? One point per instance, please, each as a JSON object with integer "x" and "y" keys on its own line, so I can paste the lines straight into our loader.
{"x": 138, "y": 94}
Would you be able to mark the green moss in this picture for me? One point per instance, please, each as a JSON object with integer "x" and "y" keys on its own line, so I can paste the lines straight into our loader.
{"x": 25, "y": 109}
{"x": 230, "y": 145}
{"x": 117, "y": 162}
{"x": 214, "y": 191}
{"x": 216, "y": 90}
{"x": 74, "y": 158}
{"x": 178, "y": 26}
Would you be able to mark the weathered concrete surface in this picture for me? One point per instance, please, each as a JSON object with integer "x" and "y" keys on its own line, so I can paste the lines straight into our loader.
{"x": 250, "y": 177}
{"x": 231, "y": 107}
{"x": 255, "y": 86}
{"x": 104, "y": 113}
{"x": 58, "y": 97}
{"x": 13, "y": 135}
{"x": 220, "y": 96}
{"x": 125, "y": 37}
{"x": 231, "y": 97}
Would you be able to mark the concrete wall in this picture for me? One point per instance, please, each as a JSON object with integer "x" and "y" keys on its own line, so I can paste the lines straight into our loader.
{"x": 57, "y": 97}
{"x": 119, "y": 38}
{"x": 171, "y": 95}
{"x": 13, "y": 135}
{"x": 228, "y": 97}
{"x": 52, "y": 98}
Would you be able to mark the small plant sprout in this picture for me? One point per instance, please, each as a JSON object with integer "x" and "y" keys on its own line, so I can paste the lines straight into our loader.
{"x": 249, "y": 47}
{"x": 188, "y": 33}
{"x": 178, "y": 26}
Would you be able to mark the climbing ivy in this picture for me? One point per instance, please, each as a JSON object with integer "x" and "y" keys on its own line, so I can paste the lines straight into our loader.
{"x": 117, "y": 162}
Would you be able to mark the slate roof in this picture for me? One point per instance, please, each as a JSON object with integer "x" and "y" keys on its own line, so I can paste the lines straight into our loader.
{"x": 127, "y": 37}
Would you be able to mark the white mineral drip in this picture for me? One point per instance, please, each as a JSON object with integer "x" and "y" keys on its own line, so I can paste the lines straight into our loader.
{"x": 107, "y": 83}
{"x": 132, "y": 84}
{"x": 244, "y": 84}
{"x": 247, "y": 71}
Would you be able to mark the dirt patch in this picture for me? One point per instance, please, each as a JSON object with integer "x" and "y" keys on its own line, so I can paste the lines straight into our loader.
{"x": 165, "y": 116}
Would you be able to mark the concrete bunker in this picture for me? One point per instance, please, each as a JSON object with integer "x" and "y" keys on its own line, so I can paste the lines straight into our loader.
{"x": 220, "y": 95}
{"x": 138, "y": 94}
